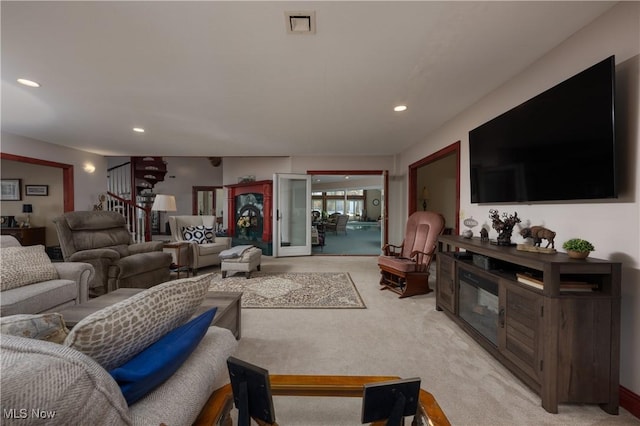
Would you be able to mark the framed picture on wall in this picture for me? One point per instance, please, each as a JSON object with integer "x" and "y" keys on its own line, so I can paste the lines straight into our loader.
{"x": 41, "y": 190}
{"x": 10, "y": 190}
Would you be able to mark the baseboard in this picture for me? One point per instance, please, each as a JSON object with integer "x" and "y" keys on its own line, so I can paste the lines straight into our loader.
{"x": 630, "y": 401}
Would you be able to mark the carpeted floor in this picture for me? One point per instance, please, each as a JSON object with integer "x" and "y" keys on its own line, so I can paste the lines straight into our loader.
{"x": 292, "y": 289}
{"x": 397, "y": 337}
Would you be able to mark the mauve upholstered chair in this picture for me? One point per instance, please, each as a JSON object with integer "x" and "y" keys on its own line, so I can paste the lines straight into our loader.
{"x": 405, "y": 268}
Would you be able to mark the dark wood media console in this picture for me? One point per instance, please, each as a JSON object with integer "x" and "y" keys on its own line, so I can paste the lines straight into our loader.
{"x": 563, "y": 341}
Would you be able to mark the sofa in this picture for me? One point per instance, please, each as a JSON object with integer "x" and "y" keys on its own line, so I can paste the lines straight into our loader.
{"x": 112, "y": 369}
{"x": 199, "y": 231}
{"x": 31, "y": 283}
{"x": 103, "y": 239}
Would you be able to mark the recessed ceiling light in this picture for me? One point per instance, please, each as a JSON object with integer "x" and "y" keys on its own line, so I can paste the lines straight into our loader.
{"x": 400, "y": 108}
{"x": 138, "y": 129}
{"x": 27, "y": 82}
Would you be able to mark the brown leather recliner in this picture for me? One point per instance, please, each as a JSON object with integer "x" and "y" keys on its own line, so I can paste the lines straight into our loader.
{"x": 102, "y": 239}
{"x": 405, "y": 268}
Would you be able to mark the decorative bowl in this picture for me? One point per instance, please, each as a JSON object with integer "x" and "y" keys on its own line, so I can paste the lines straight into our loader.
{"x": 577, "y": 254}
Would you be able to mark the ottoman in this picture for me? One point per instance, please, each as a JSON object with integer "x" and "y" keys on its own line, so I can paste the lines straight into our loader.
{"x": 247, "y": 262}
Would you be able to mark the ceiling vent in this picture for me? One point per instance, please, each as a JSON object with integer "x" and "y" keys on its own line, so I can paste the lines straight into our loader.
{"x": 300, "y": 22}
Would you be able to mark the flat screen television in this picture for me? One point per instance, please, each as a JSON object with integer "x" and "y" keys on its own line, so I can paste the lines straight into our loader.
{"x": 559, "y": 145}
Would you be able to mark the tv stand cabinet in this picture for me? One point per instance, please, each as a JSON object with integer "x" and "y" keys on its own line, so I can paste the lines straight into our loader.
{"x": 563, "y": 343}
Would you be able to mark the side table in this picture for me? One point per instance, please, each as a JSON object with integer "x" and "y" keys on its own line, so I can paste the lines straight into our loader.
{"x": 180, "y": 259}
{"x": 27, "y": 236}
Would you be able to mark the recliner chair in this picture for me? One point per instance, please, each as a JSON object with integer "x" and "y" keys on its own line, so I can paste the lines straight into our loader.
{"x": 102, "y": 239}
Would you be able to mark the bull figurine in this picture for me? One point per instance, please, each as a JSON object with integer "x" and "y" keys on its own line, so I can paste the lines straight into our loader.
{"x": 538, "y": 233}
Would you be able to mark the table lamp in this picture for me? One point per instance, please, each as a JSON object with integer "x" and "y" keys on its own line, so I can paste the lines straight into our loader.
{"x": 28, "y": 209}
{"x": 164, "y": 203}
{"x": 425, "y": 197}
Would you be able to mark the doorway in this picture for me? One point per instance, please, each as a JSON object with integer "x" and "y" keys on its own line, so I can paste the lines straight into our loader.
{"x": 358, "y": 194}
{"x": 208, "y": 201}
{"x": 434, "y": 184}
{"x": 67, "y": 176}
{"x": 54, "y": 206}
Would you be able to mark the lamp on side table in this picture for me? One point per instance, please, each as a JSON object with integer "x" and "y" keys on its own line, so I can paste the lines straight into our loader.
{"x": 163, "y": 203}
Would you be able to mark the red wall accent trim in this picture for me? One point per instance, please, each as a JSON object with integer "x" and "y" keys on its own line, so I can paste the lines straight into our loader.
{"x": 630, "y": 401}
{"x": 454, "y": 148}
{"x": 67, "y": 176}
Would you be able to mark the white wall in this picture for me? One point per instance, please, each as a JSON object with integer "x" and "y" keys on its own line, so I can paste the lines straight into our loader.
{"x": 183, "y": 173}
{"x": 87, "y": 186}
{"x": 613, "y": 227}
{"x": 262, "y": 168}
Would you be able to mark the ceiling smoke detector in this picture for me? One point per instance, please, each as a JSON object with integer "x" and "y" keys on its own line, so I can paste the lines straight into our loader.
{"x": 300, "y": 22}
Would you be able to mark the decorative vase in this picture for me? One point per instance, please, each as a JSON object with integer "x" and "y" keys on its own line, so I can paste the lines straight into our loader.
{"x": 243, "y": 233}
{"x": 577, "y": 254}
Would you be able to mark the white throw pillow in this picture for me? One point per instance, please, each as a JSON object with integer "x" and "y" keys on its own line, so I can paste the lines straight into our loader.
{"x": 199, "y": 234}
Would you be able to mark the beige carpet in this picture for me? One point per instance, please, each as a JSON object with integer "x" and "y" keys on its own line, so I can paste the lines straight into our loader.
{"x": 334, "y": 290}
{"x": 402, "y": 337}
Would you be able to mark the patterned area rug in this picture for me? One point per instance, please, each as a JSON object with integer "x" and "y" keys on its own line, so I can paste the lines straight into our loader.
{"x": 292, "y": 289}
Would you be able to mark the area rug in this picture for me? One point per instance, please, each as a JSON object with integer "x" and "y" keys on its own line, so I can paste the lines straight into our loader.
{"x": 333, "y": 290}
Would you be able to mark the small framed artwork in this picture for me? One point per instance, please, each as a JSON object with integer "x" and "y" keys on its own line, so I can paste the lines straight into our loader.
{"x": 36, "y": 190}
{"x": 10, "y": 190}
{"x": 8, "y": 221}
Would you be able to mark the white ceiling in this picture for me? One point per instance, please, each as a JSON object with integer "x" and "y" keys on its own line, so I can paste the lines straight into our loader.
{"x": 225, "y": 78}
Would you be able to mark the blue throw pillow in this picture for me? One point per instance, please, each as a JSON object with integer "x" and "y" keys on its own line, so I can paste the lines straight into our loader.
{"x": 160, "y": 360}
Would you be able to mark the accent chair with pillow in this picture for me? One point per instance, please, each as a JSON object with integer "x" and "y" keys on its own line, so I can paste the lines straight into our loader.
{"x": 30, "y": 283}
{"x": 142, "y": 361}
{"x": 102, "y": 239}
{"x": 199, "y": 231}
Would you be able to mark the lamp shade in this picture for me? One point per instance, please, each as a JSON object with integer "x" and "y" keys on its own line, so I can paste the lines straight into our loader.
{"x": 425, "y": 193}
{"x": 27, "y": 208}
{"x": 165, "y": 203}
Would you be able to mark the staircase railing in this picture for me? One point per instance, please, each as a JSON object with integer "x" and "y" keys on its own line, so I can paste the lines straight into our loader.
{"x": 119, "y": 184}
{"x": 119, "y": 180}
{"x": 137, "y": 217}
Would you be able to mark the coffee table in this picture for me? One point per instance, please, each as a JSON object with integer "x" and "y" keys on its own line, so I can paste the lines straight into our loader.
{"x": 227, "y": 316}
{"x": 218, "y": 407}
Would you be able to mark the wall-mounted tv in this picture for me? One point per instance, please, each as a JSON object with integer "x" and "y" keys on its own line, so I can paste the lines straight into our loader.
{"x": 559, "y": 145}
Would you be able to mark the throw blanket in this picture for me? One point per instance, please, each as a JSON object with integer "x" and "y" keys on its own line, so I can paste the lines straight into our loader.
{"x": 234, "y": 252}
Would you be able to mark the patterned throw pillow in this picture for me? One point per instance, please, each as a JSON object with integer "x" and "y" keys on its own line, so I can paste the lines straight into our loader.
{"x": 49, "y": 327}
{"x": 114, "y": 335}
{"x": 25, "y": 265}
{"x": 199, "y": 234}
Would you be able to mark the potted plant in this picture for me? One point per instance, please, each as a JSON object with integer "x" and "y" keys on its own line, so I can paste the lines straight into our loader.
{"x": 577, "y": 248}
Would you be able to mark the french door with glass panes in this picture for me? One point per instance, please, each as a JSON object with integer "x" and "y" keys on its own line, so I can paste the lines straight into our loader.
{"x": 291, "y": 215}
